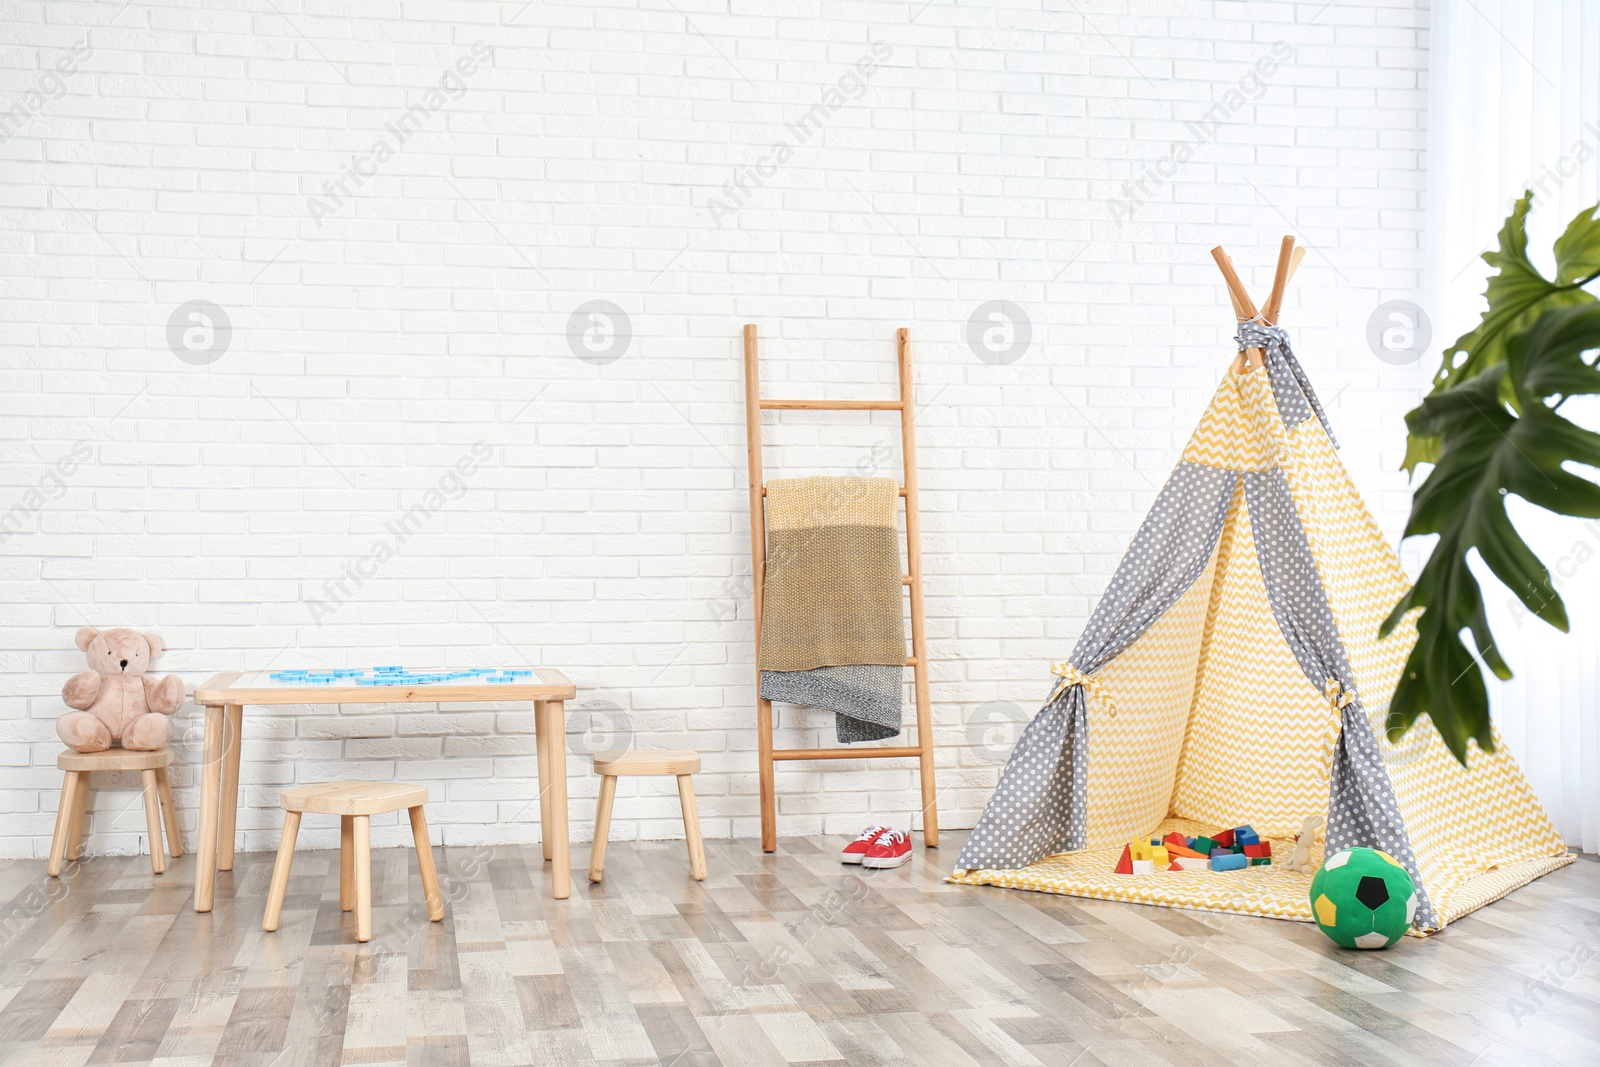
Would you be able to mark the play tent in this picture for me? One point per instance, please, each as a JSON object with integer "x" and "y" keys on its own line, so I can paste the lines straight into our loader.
{"x": 1232, "y": 674}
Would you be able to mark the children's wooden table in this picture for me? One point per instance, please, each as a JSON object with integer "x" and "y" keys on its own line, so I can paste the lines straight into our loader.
{"x": 225, "y": 695}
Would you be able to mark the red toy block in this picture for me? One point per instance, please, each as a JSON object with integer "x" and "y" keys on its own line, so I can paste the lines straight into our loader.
{"x": 1225, "y": 838}
{"x": 1125, "y": 864}
{"x": 1261, "y": 851}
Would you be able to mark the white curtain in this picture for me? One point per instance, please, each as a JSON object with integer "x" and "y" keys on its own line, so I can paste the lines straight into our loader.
{"x": 1514, "y": 104}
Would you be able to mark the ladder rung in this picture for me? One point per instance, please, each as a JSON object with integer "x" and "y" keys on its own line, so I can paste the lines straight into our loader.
{"x": 902, "y": 492}
{"x": 905, "y": 579}
{"x": 845, "y": 753}
{"x": 911, "y": 661}
{"x": 831, "y": 405}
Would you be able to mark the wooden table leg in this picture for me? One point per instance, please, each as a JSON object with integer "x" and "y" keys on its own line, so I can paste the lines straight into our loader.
{"x": 230, "y": 788}
{"x": 205, "y": 863}
{"x": 555, "y": 723}
{"x": 542, "y": 743}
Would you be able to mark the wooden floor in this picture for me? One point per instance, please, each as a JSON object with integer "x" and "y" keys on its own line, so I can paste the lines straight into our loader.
{"x": 785, "y": 959}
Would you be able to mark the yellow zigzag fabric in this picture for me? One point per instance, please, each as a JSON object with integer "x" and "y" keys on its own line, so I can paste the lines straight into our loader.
{"x": 1228, "y": 435}
{"x": 1258, "y": 734}
{"x": 1134, "y": 754}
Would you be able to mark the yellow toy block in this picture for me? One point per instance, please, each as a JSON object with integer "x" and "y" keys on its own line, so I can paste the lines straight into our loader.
{"x": 1156, "y": 854}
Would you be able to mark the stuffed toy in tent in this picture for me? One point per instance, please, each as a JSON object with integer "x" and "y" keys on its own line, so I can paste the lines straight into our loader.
{"x": 1232, "y": 674}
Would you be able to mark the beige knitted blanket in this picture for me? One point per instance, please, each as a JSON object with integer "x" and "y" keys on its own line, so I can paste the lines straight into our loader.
{"x": 832, "y": 618}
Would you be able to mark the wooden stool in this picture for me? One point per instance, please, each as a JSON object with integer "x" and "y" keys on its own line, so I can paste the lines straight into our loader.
{"x": 611, "y": 765}
{"x": 355, "y": 803}
{"x": 152, "y": 768}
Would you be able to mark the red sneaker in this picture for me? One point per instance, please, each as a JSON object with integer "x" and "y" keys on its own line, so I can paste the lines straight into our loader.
{"x": 891, "y": 849}
{"x": 856, "y": 849}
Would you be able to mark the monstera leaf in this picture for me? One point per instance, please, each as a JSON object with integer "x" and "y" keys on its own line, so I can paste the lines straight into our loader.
{"x": 1499, "y": 432}
{"x": 1518, "y": 294}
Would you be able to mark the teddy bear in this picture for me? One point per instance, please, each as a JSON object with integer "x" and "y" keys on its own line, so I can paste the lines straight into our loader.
{"x": 115, "y": 700}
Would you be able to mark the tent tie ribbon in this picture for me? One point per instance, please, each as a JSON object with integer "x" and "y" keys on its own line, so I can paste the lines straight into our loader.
{"x": 1071, "y": 675}
{"x": 1339, "y": 698}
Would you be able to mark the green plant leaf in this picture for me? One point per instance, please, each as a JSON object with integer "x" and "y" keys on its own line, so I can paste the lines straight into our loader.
{"x": 1517, "y": 294}
{"x": 1578, "y": 250}
{"x": 1487, "y": 451}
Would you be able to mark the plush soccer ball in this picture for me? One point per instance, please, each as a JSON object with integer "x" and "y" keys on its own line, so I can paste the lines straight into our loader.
{"x": 1363, "y": 898}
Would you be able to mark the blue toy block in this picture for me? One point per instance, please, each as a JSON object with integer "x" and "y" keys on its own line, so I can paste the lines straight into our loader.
{"x": 1244, "y": 835}
{"x": 1231, "y": 862}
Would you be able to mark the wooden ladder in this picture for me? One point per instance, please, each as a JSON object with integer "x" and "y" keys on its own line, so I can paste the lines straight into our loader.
{"x": 912, "y": 580}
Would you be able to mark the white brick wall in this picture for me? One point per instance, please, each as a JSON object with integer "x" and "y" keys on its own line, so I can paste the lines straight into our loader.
{"x": 159, "y": 153}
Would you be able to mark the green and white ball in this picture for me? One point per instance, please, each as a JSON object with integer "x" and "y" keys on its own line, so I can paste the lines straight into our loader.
{"x": 1363, "y": 898}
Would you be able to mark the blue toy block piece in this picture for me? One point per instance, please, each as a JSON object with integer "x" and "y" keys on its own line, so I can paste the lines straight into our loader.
{"x": 1244, "y": 835}
{"x": 1232, "y": 861}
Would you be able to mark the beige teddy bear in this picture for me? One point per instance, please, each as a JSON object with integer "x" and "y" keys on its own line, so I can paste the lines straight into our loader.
{"x": 114, "y": 700}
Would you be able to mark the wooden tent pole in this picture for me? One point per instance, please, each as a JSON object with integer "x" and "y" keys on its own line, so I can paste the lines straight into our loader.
{"x": 1280, "y": 281}
{"x": 919, "y": 643}
{"x": 758, "y": 574}
{"x": 1241, "y": 297}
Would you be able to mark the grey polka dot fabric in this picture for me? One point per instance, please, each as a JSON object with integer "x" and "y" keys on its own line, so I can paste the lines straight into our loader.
{"x": 1040, "y": 806}
{"x": 1171, "y": 549}
{"x": 1361, "y": 804}
{"x": 1290, "y": 386}
{"x": 1293, "y": 586}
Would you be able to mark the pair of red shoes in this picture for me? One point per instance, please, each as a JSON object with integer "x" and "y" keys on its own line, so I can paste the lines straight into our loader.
{"x": 878, "y": 846}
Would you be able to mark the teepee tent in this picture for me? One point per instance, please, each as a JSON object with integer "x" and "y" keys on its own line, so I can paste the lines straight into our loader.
{"x": 1232, "y": 674}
